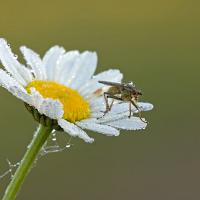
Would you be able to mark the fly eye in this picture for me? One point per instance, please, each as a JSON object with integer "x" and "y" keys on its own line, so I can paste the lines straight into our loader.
{"x": 137, "y": 93}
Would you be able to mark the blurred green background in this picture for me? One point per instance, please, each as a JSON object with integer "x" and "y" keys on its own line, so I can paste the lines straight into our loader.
{"x": 154, "y": 43}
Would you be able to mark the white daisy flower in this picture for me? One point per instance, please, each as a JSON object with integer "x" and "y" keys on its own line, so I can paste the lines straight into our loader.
{"x": 59, "y": 90}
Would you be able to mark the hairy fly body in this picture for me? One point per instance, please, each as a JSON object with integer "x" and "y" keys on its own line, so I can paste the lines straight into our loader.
{"x": 125, "y": 92}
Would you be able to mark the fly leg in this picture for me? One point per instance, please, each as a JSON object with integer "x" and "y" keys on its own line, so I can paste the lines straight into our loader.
{"x": 129, "y": 110}
{"x": 113, "y": 98}
{"x": 111, "y": 104}
{"x": 108, "y": 107}
{"x": 105, "y": 94}
{"x": 139, "y": 111}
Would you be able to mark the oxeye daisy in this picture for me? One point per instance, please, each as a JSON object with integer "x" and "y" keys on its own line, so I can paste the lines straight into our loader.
{"x": 62, "y": 92}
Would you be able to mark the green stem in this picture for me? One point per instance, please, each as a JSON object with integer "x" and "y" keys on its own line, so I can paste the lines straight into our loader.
{"x": 26, "y": 163}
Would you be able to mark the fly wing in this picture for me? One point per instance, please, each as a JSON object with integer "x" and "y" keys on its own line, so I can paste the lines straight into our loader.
{"x": 112, "y": 83}
{"x": 130, "y": 88}
{"x": 123, "y": 86}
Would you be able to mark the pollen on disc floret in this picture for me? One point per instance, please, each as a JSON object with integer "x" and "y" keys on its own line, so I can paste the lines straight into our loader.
{"x": 75, "y": 107}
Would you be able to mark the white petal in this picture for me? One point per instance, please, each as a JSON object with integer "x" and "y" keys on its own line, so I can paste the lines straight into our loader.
{"x": 119, "y": 111}
{"x": 14, "y": 87}
{"x": 7, "y": 81}
{"x": 98, "y": 104}
{"x": 74, "y": 130}
{"x": 52, "y": 108}
{"x": 144, "y": 106}
{"x": 49, "y": 107}
{"x": 66, "y": 64}
{"x": 84, "y": 63}
{"x": 121, "y": 107}
{"x": 34, "y": 61}
{"x": 37, "y": 99}
{"x": 51, "y": 61}
{"x": 104, "y": 129}
{"x": 109, "y": 117}
{"x": 87, "y": 66}
{"x": 133, "y": 123}
{"x": 23, "y": 95}
{"x": 93, "y": 85}
{"x": 9, "y": 61}
{"x": 124, "y": 107}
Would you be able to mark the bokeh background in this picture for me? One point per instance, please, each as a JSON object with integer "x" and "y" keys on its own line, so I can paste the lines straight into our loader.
{"x": 154, "y": 43}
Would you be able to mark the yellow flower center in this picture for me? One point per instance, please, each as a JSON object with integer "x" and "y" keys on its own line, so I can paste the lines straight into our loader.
{"x": 75, "y": 106}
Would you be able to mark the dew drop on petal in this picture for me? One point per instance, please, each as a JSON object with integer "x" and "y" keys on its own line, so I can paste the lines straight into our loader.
{"x": 68, "y": 146}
